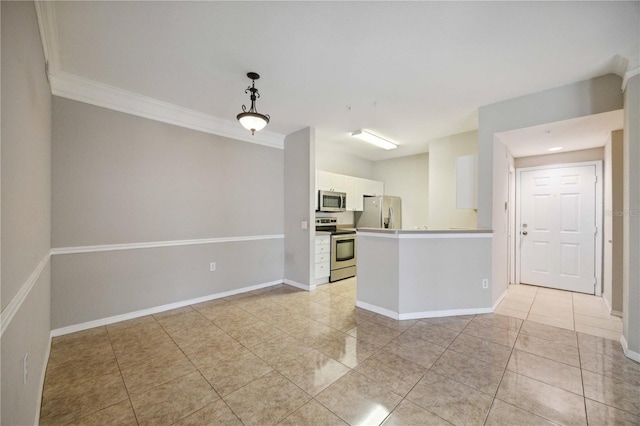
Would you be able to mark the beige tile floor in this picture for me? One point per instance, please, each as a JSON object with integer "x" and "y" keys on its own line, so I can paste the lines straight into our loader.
{"x": 289, "y": 357}
{"x": 574, "y": 311}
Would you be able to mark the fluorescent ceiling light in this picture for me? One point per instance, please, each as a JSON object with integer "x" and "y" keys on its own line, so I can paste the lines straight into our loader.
{"x": 373, "y": 139}
{"x": 555, "y": 148}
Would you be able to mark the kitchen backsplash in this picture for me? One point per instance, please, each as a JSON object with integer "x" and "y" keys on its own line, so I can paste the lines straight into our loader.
{"x": 344, "y": 218}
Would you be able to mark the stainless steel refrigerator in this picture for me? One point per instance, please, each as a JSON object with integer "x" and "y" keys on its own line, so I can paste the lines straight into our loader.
{"x": 381, "y": 212}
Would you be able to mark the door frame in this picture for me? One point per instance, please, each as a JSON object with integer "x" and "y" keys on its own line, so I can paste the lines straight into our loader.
{"x": 599, "y": 206}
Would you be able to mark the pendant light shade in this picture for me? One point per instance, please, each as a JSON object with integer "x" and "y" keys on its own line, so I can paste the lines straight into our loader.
{"x": 252, "y": 119}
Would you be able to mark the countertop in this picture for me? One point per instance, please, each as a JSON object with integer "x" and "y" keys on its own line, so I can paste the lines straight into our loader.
{"x": 425, "y": 231}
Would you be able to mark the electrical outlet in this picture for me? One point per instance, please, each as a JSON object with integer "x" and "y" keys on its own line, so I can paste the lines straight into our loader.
{"x": 212, "y": 266}
{"x": 485, "y": 283}
{"x": 25, "y": 368}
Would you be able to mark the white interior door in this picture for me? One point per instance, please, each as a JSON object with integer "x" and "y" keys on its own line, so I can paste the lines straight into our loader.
{"x": 558, "y": 228}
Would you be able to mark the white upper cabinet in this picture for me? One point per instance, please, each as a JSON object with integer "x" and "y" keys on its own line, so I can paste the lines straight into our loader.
{"x": 467, "y": 182}
{"x": 373, "y": 187}
{"x": 331, "y": 181}
{"x": 355, "y": 187}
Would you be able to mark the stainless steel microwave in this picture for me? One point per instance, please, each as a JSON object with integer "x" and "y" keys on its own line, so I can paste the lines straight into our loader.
{"x": 332, "y": 201}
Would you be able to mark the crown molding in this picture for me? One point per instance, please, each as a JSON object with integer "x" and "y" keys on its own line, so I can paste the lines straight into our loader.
{"x": 628, "y": 75}
{"x": 48, "y": 34}
{"x": 84, "y": 90}
{"x": 81, "y": 89}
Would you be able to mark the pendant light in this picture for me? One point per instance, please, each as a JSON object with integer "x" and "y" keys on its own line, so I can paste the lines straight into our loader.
{"x": 252, "y": 119}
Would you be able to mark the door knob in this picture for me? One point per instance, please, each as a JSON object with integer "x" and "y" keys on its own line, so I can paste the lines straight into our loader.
{"x": 524, "y": 232}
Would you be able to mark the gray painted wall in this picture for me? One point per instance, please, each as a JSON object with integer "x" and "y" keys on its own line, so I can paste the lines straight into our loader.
{"x": 299, "y": 175}
{"x": 631, "y": 276}
{"x": 613, "y": 251}
{"x": 584, "y": 98}
{"x": 617, "y": 195}
{"x": 432, "y": 278}
{"x": 119, "y": 178}
{"x": 26, "y": 208}
{"x": 92, "y": 286}
{"x": 378, "y": 272}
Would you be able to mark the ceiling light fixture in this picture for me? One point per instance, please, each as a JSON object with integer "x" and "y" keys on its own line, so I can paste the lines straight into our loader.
{"x": 555, "y": 148}
{"x": 373, "y": 139}
{"x": 252, "y": 119}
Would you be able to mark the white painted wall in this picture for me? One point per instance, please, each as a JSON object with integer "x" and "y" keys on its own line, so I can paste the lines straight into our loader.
{"x": 407, "y": 178}
{"x": 343, "y": 163}
{"x": 443, "y": 152}
{"x": 593, "y": 154}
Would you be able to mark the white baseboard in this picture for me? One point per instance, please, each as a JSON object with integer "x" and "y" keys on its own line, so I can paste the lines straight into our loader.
{"x": 299, "y": 285}
{"x": 616, "y": 313}
{"x": 378, "y": 310}
{"x": 502, "y": 296}
{"x": 41, "y": 387}
{"x": 445, "y": 313}
{"x": 157, "y": 309}
{"x": 320, "y": 281}
{"x": 627, "y": 352}
{"x": 419, "y": 315}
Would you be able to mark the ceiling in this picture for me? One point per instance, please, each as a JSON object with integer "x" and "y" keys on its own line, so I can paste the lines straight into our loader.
{"x": 591, "y": 131}
{"x": 408, "y": 71}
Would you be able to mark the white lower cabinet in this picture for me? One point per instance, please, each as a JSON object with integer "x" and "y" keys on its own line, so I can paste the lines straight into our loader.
{"x": 323, "y": 259}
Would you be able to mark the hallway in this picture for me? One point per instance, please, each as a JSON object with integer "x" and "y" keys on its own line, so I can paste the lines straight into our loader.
{"x": 579, "y": 312}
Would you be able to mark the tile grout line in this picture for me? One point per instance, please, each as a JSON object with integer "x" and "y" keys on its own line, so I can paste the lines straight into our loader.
{"x": 121, "y": 375}
{"x": 495, "y": 395}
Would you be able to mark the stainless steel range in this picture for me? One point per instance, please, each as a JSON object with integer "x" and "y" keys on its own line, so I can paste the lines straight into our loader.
{"x": 343, "y": 248}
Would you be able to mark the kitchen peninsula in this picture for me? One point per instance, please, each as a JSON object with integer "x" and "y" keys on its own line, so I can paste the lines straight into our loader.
{"x": 408, "y": 274}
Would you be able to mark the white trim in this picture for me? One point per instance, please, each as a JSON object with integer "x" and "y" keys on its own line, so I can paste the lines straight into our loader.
{"x": 606, "y": 302}
{"x": 445, "y": 313}
{"x": 443, "y": 235}
{"x": 84, "y": 90}
{"x": 320, "y": 281}
{"x": 378, "y": 310}
{"x": 627, "y": 352}
{"x": 47, "y": 24}
{"x": 42, "y": 376}
{"x": 377, "y": 234}
{"x": 299, "y": 285}
{"x": 502, "y": 296}
{"x": 157, "y": 244}
{"x": 616, "y": 313}
{"x": 420, "y": 315}
{"x": 599, "y": 207}
{"x": 14, "y": 305}
{"x": 628, "y": 76}
{"x": 446, "y": 235}
{"x": 157, "y": 309}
